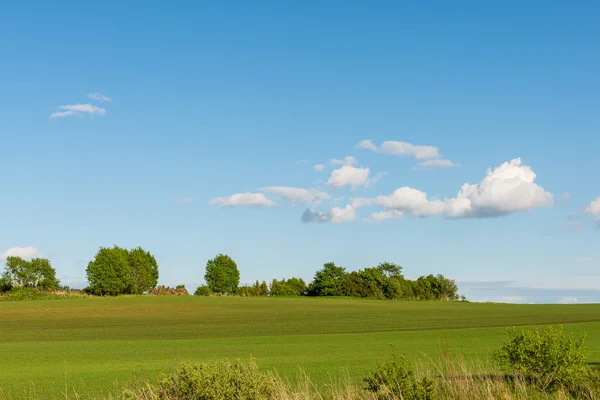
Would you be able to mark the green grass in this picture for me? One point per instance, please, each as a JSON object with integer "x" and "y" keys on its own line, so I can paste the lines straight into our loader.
{"x": 91, "y": 343}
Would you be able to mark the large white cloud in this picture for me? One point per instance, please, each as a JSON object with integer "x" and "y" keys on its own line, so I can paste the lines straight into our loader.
{"x": 335, "y": 215}
{"x": 26, "y": 253}
{"x": 297, "y": 195}
{"x": 506, "y": 189}
{"x": 243, "y": 199}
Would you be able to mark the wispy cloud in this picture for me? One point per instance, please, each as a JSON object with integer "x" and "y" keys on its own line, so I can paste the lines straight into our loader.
{"x": 438, "y": 163}
{"x": 98, "y": 96}
{"x": 319, "y": 167}
{"x": 246, "y": 199}
{"x": 78, "y": 109}
{"x": 186, "y": 200}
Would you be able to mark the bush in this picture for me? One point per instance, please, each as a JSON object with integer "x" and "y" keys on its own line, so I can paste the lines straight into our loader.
{"x": 203, "y": 291}
{"x": 220, "y": 381}
{"x": 395, "y": 379}
{"x": 548, "y": 359}
{"x": 161, "y": 290}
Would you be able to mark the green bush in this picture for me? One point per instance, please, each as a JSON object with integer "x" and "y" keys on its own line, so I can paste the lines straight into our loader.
{"x": 219, "y": 381}
{"x": 395, "y": 379}
{"x": 548, "y": 359}
{"x": 203, "y": 291}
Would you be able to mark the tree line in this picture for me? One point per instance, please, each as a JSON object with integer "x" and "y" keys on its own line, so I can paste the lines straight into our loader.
{"x": 116, "y": 270}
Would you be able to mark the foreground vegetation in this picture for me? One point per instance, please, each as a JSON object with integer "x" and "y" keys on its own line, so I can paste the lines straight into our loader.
{"x": 94, "y": 346}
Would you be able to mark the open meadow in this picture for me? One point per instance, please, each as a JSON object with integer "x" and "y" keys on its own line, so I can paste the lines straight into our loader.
{"x": 92, "y": 344}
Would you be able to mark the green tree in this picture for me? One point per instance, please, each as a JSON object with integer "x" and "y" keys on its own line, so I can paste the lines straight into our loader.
{"x": 109, "y": 272}
{"x": 35, "y": 273}
{"x": 143, "y": 270}
{"x": 222, "y": 274}
{"x": 390, "y": 270}
{"x": 328, "y": 281}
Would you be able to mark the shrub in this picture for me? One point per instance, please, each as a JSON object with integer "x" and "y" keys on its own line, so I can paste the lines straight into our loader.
{"x": 395, "y": 379}
{"x": 548, "y": 359}
{"x": 219, "y": 381}
{"x": 203, "y": 291}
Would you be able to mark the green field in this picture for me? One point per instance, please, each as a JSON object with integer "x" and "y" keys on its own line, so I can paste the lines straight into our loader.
{"x": 91, "y": 343}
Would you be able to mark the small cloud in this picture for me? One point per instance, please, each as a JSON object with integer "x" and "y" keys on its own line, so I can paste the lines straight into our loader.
{"x": 247, "y": 199}
{"x": 348, "y": 176}
{"x": 401, "y": 149}
{"x": 297, "y": 195}
{"x": 319, "y": 167}
{"x": 78, "y": 109}
{"x": 593, "y": 208}
{"x": 438, "y": 163}
{"x": 367, "y": 145}
{"x": 565, "y": 197}
{"x": 584, "y": 259}
{"x": 376, "y": 178}
{"x": 513, "y": 299}
{"x": 98, "y": 96}
{"x": 186, "y": 200}
{"x": 568, "y": 300}
{"x": 301, "y": 162}
{"x": 335, "y": 215}
{"x": 348, "y": 160}
{"x": 23, "y": 252}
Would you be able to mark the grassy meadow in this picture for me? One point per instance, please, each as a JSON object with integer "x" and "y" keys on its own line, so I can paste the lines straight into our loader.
{"x": 91, "y": 345}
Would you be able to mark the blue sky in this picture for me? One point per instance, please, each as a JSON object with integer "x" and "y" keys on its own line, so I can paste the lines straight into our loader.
{"x": 162, "y": 112}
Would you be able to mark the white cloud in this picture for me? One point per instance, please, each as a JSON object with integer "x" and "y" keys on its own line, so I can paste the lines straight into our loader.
{"x": 568, "y": 300}
{"x": 513, "y": 299}
{"x": 383, "y": 215}
{"x": 186, "y": 200}
{"x": 438, "y": 163}
{"x": 593, "y": 208}
{"x": 401, "y": 149}
{"x": 377, "y": 178}
{"x": 78, "y": 109}
{"x": 348, "y": 160}
{"x": 411, "y": 201}
{"x": 506, "y": 189}
{"x": 367, "y": 145}
{"x": 243, "y": 199}
{"x": 348, "y": 176}
{"x": 319, "y": 167}
{"x": 23, "y": 252}
{"x": 565, "y": 197}
{"x": 297, "y": 195}
{"x": 336, "y": 215}
{"x": 62, "y": 114}
{"x": 301, "y": 162}
{"x": 98, "y": 96}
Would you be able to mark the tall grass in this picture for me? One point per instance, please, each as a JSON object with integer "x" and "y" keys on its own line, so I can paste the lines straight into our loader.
{"x": 453, "y": 379}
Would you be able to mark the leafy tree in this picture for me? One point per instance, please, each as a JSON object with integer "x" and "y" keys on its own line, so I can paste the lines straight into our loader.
{"x": 35, "y": 273}
{"x": 291, "y": 287}
{"x": 222, "y": 274}
{"x": 109, "y": 273}
{"x": 143, "y": 270}
{"x": 390, "y": 270}
{"x": 328, "y": 281}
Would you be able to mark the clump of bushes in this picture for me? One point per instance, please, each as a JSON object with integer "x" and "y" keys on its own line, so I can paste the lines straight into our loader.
{"x": 218, "y": 381}
{"x": 395, "y": 379}
{"x": 203, "y": 291}
{"x": 548, "y": 359}
{"x": 161, "y": 290}
{"x": 289, "y": 287}
{"x": 257, "y": 289}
